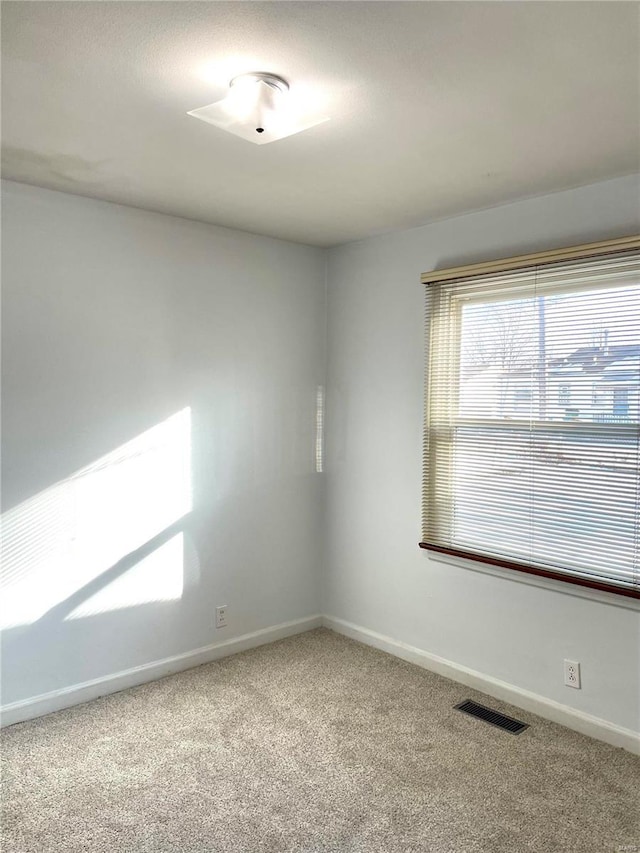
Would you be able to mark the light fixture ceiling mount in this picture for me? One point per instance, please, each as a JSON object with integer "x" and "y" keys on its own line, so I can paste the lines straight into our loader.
{"x": 258, "y": 108}
{"x": 273, "y": 80}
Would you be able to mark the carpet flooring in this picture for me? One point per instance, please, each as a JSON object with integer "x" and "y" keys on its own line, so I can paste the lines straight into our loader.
{"x": 315, "y": 744}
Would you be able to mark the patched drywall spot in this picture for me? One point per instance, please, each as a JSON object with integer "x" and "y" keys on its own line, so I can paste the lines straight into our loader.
{"x": 20, "y": 164}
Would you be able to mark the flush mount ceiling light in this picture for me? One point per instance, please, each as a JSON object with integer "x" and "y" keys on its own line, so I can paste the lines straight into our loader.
{"x": 259, "y": 108}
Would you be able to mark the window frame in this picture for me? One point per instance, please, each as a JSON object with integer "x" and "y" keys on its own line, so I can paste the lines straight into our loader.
{"x": 453, "y": 345}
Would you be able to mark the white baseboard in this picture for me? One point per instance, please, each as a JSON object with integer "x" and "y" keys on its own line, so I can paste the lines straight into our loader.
{"x": 549, "y": 709}
{"x": 587, "y": 724}
{"x": 56, "y": 700}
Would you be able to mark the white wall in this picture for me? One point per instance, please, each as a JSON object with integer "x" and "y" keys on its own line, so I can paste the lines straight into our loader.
{"x": 114, "y": 319}
{"x": 376, "y": 577}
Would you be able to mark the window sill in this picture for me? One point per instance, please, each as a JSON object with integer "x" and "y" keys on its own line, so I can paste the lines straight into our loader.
{"x": 551, "y": 584}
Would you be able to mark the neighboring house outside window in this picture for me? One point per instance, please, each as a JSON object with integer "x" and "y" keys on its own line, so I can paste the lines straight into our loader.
{"x": 590, "y": 383}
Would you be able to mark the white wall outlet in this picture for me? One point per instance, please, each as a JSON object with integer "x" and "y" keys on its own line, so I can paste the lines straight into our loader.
{"x": 572, "y": 674}
{"x": 221, "y": 616}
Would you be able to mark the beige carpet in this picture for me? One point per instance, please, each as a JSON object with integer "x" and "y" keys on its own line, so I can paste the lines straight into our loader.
{"x": 315, "y": 743}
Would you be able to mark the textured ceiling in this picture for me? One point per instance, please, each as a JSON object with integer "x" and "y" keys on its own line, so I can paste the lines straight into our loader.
{"x": 436, "y": 107}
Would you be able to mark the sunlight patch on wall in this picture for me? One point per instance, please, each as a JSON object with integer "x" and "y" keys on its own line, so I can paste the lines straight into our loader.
{"x": 157, "y": 577}
{"x": 62, "y": 539}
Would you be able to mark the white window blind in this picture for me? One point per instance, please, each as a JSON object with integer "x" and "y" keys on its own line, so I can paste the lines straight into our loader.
{"x": 532, "y": 427}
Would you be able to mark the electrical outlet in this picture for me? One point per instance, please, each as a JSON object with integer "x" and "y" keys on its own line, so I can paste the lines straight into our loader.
{"x": 221, "y": 616}
{"x": 572, "y": 674}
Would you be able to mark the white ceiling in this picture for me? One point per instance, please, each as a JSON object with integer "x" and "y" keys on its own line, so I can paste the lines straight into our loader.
{"x": 436, "y": 107}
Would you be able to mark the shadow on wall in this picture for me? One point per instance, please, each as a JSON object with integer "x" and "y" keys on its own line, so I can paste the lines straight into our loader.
{"x": 98, "y": 545}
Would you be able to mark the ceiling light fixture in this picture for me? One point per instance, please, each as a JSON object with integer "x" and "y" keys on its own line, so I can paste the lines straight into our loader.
{"x": 258, "y": 108}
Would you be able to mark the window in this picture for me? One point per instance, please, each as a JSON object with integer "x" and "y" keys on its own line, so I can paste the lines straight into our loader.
{"x": 599, "y": 396}
{"x": 532, "y": 428}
